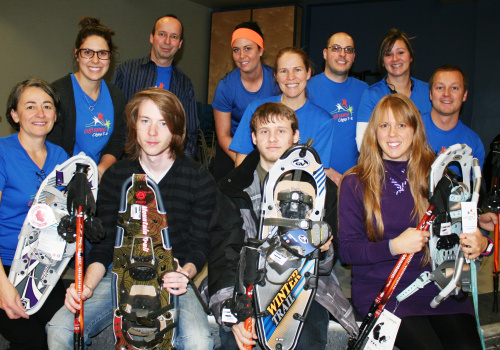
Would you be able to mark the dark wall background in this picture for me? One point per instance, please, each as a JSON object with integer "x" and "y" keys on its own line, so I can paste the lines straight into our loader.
{"x": 467, "y": 35}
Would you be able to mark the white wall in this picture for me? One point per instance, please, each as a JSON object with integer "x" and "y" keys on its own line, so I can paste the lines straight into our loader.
{"x": 37, "y": 38}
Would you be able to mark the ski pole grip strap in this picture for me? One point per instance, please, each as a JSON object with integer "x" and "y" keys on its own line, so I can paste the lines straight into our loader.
{"x": 251, "y": 253}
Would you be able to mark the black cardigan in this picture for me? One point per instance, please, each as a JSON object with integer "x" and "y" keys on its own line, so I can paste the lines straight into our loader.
{"x": 64, "y": 132}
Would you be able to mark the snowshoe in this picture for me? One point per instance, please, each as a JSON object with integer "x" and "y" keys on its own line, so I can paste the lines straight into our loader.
{"x": 291, "y": 231}
{"x": 451, "y": 272}
{"x": 42, "y": 254}
{"x": 145, "y": 315}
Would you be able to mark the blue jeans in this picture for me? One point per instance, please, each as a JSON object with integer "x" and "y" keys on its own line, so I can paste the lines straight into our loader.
{"x": 97, "y": 312}
{"x": 192, "y": 332}
{"x": 314, "y": 334}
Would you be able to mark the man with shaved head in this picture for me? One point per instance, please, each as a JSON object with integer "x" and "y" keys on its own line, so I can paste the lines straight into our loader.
{"x": 339, "y": 94}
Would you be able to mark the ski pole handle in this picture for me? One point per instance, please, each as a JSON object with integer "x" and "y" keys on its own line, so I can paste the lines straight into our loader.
{"x": 248, "y": 321}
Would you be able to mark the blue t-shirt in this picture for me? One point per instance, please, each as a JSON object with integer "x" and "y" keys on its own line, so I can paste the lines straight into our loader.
{"x": 440, "y": 140}
{"x": 93, "y": 127}
{"x": 20, "y": 179}
{"x": 314, "y": 122}
{"x": 231, "y": 96}
{"x": 341, "y": 100}
{"x": 371, "y": 96}
{"x": 163, "y": 77}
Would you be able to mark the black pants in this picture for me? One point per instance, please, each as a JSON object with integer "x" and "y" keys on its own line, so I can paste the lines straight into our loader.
{"x": 314, "y": 334}
{"x": 438, "y": 332}
{"x": 30, "y": 333}
{"x": 223, "y": 164}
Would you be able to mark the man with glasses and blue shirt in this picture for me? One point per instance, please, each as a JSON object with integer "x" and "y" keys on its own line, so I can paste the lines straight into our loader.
{"x": 339, "y": 94}
{"x": 158, "y": 69}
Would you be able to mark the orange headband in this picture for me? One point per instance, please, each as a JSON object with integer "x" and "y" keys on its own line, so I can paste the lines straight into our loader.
{"x": 245, "y": 33}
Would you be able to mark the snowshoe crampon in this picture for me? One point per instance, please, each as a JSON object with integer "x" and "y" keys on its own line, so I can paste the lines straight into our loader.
{"x": 291, "y": 229}
{"x": 42, "y": 254}
{"x": 145, "y": 315}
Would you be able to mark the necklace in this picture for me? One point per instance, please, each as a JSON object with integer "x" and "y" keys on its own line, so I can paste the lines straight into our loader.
{"x": 91, "y": 107}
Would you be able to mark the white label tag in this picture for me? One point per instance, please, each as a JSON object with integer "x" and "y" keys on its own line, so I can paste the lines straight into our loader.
{"x": 383, "y": 335}
{"x": 135, "y": 211}
{"x": 278, "y": 257}
{"x": 50, "y": 243}
{"x": 445, "y": 229}
{"x": 228, "y": 317}
{"x": 41, "y": 216}
{"x": 469, "y": 217}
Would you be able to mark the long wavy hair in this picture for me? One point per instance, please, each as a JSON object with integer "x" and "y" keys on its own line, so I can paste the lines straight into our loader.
{"x": 370, "y": 167}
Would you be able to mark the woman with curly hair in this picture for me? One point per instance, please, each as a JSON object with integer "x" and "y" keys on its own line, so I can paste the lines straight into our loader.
{"x": 92, "y": 110}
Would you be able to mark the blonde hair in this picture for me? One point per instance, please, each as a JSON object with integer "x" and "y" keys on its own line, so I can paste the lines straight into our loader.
{"x": 370, "y": 167}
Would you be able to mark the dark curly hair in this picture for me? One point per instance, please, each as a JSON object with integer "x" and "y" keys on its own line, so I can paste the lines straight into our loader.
{"x": 92, "y": 26}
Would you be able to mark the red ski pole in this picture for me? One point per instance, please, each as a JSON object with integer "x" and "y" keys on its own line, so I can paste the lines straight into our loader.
{"x": 248, "y": 321}
{"x": 78, "y": 335}
{"x": 495, "y": 267}
{"x": 389, "y": 287}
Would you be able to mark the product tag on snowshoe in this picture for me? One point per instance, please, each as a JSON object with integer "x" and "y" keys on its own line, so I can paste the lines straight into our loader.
{"x": 445, "y": 229}
{"x": 383, "y": 334}
{"x": 51, "y": 244}
{"x": 278, "y": 257}
{"x": 228, "y": 317}
{"x": 41, "y": 216}
{"x": 469, "y": 217}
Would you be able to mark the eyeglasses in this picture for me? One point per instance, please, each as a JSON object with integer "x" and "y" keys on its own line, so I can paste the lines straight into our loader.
{"x": 88, "y": 54}
{"x": 337, "y": 48}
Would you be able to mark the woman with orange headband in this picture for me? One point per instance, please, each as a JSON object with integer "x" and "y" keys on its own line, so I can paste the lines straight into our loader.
{"x": 250, "y": 80}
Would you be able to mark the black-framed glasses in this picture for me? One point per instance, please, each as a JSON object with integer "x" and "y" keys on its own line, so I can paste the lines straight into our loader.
{"x": 88, "y": 54}
{"x": 338, "y": 48}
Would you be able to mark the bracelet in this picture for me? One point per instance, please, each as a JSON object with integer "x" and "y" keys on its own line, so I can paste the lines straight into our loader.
{"x": 390, "y": 247}
{"x": 489, "y": 248}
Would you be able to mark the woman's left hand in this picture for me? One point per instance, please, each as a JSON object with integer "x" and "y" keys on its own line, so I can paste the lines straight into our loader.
{"x": 473, "y": 244}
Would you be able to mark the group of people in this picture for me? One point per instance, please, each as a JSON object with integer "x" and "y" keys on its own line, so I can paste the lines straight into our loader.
{"x": 368, "y": 138}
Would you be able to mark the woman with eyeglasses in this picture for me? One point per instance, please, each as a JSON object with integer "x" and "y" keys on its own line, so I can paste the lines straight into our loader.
{"x": 250, "y": 80}
{"x": 395, "y": 58}
{"x": 92, "y": 110}
{"x": 26, "y": 158}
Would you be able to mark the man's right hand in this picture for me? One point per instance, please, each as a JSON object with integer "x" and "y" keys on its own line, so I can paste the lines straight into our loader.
{"x": 10, "y": 301}
{"x": 72, "y": 300}
{"x": 244, "y": 337}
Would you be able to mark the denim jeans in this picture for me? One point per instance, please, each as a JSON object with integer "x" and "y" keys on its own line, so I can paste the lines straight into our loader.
{"x": 97, "y": 312}
{"x": 314, "y": 334}
{"x": 192, "y": 332}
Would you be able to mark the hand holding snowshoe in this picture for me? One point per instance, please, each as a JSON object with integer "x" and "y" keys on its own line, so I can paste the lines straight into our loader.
{"x": 10, "y": 302}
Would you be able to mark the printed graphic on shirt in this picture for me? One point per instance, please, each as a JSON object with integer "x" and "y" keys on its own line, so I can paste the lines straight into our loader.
{"x": 399, "y": 187}
{"x": 343, "y": 112}
{"x": 161, "y": 86}
{"x": 98, "y": 127}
